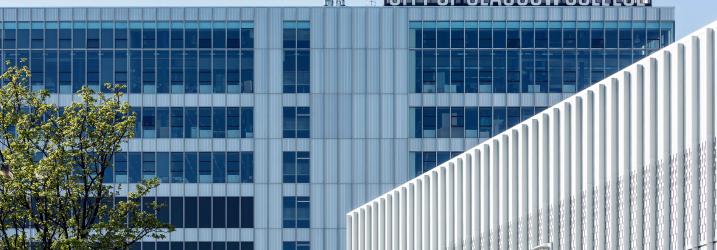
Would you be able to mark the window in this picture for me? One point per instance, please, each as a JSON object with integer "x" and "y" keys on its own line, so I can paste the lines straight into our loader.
{"x": 296, "y": 167}
{"x": 190, "y": 167}
{"x": 297, "y": 60}
{"x": 176, "y": 206}
{"x": 190, "y": 212}
{"x": 219, "y": 212}
{"x": 204, "y": 212}
{"x": 296, "y": 212}
{"x": 148, "y": 166}
{"x": 205, "y": 72}
{"x": 240, "y": 167}
{"x": 297, "y": 122}
{"x": 219, "y": 122}
{"x": 205, "y": 122}
{"x": 424, "y": 161}
{"x": 205, "y": 167}
{"x": 135, "y": 167}
{"x": 296, "y": 245}
{"x": 120, "y": 168}
{"x": 177, "y": 167}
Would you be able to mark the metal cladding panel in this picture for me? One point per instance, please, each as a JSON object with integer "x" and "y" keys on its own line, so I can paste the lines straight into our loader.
{"x": 373, "y": 28}
{"x": 583, "y": 14}
{"x": 37, "y": 14}
{"x": 317, "y": 162}
{"x": 527, "y": 14}
{"x": 541, "y": 14}
{"x": 345, "y": 23}
{"x": 611, "y": 14}
{"x": 274, "y": 161}
{"x": 358, "y": 113}
{"x": 597, "y": 170}
{"x": 53, "y": 14}
{"x": 499, "y": 14}
{"x": 330, "y": 116}
{"x": 135, "y": 14}
{"x": 344, "y": 117}
{"x": 442, "y": 14}
{"x": 400, "y": 30}
{"x": 361, "y": 174}
{"x": 358, "y": 71}
{"x": 652, "y": 14}
{"x": 373, "y": 111}
{"x": 330, "y": 31}
{"x": 358, "y": 28}
{"x": 233, "y": 14}
{"x": 317, "y": 116}
{"x": 191, "y": 13}
{"x": 345, "y": 159}
{"x": 457, "y": 14}
{"x": 330, "y": 80}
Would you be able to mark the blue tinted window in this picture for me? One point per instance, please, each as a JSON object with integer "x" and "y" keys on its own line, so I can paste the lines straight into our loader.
{"x": 190, "y": 212}
{"x": 219, "y": 167}
{"x": 247, "y": 212}
{"x": 205, "y": 122}
{"x": 205, "y": 167}
{"x": 120, "y": 168}
{"x": 190, "y": 167}
{"x": 190, "y": 72}
{"x": 177, "y": 167}
{"x": 176, "y": 206}
{"x": 219, "y": 71}
{"x": 162, "y": 166}
{"x": 296, "y": 167}
{"x": 204, "y": 212}
{"x": 149, "y": 165}
{"x": 296, "y": 122}
{"x": 176, "y": 122}
{"x": 296, "y": 66}
{"x": 205, "y": 35}
{"x": 296, "y": 245}
{"x": 205, "y": 72}
{"x": 219, "y": 122}
{"x": 135, "y": 167}
{"x": 191, "y": 128}
{"x": 218, "y": 212}
{"x": 296, "y": 211}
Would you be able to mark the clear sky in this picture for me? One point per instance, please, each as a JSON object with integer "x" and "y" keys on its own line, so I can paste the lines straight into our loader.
{"x": 691, "y": 14}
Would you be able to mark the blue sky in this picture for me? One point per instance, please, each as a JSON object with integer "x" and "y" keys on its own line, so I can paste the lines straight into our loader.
{"x": 691, "y": 14}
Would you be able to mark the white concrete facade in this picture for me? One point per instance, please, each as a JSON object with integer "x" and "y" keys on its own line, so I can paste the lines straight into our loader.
{"x": 628, "y": 163}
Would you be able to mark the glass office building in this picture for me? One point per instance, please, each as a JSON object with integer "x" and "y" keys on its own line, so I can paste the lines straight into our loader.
{"x": 267, "y": 125}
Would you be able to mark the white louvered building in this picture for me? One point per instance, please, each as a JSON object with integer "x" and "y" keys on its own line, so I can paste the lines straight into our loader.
{"x": 628, "y": 163}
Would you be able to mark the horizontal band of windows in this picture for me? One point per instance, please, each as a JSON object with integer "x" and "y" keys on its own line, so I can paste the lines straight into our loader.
{"x": 465, "y": 122}
{"x": 128, "y": 35}
{"x": 188, "y": 245}
{"x": 202, "y": 212}
{"x": 514, "y": 71}
{"x": 194, "y": 122}
{"x": 424, "y": 161}
{"x": 143, "y": 71}
{"x": 182, "y": 167}
{"x": 650, "y": 38}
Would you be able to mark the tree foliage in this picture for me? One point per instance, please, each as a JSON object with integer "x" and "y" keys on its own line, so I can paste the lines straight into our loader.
{"x": 53, "y": 163}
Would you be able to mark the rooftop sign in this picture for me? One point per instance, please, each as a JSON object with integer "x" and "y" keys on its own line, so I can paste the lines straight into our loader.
{"x": 517, "y": 3}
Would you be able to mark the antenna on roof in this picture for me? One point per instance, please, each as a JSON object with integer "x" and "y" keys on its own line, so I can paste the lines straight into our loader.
{"x": 340, "y": 3}
{"x": 329, "y": 3}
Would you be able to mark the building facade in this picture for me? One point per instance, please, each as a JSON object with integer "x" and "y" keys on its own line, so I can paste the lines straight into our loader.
{"x": 628, "y": 163}
{"x": 267, "y": 125}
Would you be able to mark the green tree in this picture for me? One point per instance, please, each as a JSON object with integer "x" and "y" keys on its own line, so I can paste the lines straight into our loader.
{"x": 53, "y": 165}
